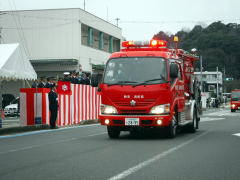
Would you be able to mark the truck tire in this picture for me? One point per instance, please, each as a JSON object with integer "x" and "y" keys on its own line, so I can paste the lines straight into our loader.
{"x": 233, "y": 110}
{"x": 171, "y": 130}
{"x": 113, "y": 132}
{"x": 194, "y": 125}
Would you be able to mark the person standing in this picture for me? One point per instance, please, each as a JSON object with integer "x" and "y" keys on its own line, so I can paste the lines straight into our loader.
{"x": 53, "y": 106}
{"x": 42, "y": 82}
{"x": 35, "y": 83}
{"x": 49, "y": 83}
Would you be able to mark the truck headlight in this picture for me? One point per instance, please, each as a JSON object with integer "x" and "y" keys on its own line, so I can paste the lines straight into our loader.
{"x": 233, "y": 105}
{"x": 106, "y": 109}
{"x": 160, "y": 109}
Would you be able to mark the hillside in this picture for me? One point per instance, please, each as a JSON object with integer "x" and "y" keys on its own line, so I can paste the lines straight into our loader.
{"x": 219, "y": 45}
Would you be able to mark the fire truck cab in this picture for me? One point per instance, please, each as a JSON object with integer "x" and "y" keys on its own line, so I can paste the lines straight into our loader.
{"x": 148, "y": 86}
{"x": 235, "y": 100}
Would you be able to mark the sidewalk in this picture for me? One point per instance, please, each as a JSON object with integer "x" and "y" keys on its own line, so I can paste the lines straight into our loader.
{"x": 10, "y": 121}
{"x": 11, "y": 125}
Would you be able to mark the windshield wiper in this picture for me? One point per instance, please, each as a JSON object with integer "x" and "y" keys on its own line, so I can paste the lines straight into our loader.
{"x": 150, "y": 80}
{"x": 121, "y": 83}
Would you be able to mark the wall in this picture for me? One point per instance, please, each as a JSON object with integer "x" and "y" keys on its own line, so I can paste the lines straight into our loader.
{"x": 56, "y": 34}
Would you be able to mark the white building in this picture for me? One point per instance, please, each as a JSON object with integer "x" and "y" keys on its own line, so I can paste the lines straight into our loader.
{"x": 58, "y": 40}
{"x": 212, "y": 81}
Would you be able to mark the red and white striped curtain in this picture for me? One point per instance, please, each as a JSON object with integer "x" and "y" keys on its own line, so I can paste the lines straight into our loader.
{"x": 82, "y": 104}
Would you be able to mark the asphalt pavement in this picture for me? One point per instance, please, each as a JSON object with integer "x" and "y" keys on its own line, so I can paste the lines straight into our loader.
{"x": 86, "y": 152}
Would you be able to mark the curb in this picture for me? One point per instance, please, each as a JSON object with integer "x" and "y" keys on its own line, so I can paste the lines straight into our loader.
{"x": 19, "y": 129}
{"x": 12, "y": 130}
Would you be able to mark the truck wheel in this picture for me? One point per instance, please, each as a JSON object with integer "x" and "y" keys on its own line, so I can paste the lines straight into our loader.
{"x": 113, "y": 132}
{"x": 194, "y": 125}
{"x": 172, "y": 128}
{"x": 233, "y": 110}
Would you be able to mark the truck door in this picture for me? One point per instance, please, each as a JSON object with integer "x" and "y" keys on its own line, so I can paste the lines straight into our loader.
{"x": 180, "y": 89}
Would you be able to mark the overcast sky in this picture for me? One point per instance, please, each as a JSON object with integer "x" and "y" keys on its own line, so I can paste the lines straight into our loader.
{"x": 141, "y": 19}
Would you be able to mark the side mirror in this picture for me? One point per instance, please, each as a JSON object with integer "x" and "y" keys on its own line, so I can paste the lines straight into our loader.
{"x": 96, "y": 79}
{"x": 173, "y": 71}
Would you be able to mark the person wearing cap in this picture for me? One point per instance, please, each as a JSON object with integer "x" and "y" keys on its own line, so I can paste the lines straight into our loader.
{"x": 53, "y": 106}
{"x": 66, "y": 76}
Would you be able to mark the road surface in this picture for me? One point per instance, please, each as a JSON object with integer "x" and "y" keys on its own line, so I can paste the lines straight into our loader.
{"x": 86, "y": 152}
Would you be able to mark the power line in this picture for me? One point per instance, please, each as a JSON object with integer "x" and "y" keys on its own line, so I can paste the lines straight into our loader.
{"x": 19, "y": 33}
{"x": 24, "y": 38}
{"x": 178, "y": 22}
{"x": 129, "y": 21}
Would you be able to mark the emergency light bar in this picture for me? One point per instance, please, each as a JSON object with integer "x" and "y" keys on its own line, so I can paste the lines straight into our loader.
{"x": 151, "y": 43}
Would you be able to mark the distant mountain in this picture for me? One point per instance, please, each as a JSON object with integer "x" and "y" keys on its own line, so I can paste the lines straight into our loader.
{"x": 218, "y": 43}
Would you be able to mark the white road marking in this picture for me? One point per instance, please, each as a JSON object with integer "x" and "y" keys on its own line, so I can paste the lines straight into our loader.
{"x": 45, "y": 144}
{"x": 238, "y": 134}
{"x": 143, "y": 164}
{"x": 96, "y": 134}
{"x": 206, "y": 119}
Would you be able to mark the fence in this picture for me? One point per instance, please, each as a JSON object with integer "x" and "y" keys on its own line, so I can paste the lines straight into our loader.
{"x": 81, "y": 104}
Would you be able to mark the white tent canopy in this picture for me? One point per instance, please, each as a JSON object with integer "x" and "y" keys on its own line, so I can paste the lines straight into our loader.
{"x": 14, "y": 64}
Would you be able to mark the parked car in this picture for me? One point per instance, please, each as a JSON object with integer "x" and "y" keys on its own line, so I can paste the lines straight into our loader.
{"x": 13, "y": 108}
{"x": 7, "y": 99}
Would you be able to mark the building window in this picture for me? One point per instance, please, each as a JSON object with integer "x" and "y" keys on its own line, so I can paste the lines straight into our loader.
{"x": 99, "y": 40}
{"x": 100, "y": 45}
{"x": 116, "y": 44}
{"x": 110, "y": 44}
{"x": 211, "y": 88}
{"x": 90, "y": 36}
{"x": 84, "y": 34}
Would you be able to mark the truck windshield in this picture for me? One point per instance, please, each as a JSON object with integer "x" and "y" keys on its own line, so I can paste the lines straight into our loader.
{"x": 235, "y": 96}
{"x": 135, "y": 71}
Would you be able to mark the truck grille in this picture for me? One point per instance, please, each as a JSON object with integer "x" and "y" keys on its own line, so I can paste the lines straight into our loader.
{"x": 118, "y": 121}
{"x": 138, "y": 104}
{"x": 147, "y": 122}
{"x": 135, "y": 112}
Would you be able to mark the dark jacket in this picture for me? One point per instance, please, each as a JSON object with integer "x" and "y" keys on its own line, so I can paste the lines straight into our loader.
{"x": 53, "y": 101}
{"x": 41, "y": 85}
{"x": 48, "y": 85}
{"x": 34, "y": 85}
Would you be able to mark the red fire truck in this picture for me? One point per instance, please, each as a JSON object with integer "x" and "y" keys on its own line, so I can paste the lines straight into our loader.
{"x": 148, "y": 86}
{"x": 235, "y": 100}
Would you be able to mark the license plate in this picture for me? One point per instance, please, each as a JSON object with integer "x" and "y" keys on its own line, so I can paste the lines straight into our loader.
{"x": 132, "y": 121}
{"x": 238, "y": 107}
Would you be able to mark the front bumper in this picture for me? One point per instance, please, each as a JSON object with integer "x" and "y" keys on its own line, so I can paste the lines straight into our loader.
{"x": 144, "y": 120}
{"x": 236, "y": 107}
{"x": 10, "y": 112}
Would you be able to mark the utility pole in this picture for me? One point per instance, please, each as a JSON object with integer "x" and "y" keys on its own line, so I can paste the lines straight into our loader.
{"x": 217, "y": 82}
{"x": 117, "y": 19}
{"x": 84, "y": 5}
{"x": 223, "y": 79}
{"x": 1, "y": 29}
{"x": 107, "y": 13}
{"x": 201, "y": 68}
{"x": 0, "y": 35}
